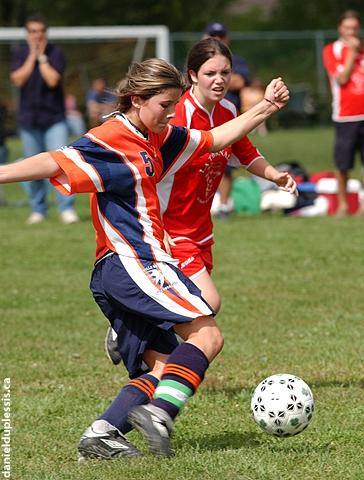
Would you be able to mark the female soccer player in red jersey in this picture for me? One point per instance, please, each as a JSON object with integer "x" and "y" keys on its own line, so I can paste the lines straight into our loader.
{"x": 135, "y": 282}
{"x": 186, "y": 197}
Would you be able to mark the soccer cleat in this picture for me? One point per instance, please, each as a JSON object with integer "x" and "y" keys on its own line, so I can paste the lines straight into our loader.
{"x": 111, "y": 346}
{"x": 102, "y": 440}
{"x": 156, "y": 426}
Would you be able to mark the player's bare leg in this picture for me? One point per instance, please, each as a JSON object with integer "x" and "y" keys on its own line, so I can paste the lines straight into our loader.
{"x": 342, "y": 180}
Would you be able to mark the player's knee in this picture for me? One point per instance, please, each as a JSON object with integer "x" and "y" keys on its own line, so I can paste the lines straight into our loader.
{"x": 214, "y": 342}
{"x": 217, "y": 341}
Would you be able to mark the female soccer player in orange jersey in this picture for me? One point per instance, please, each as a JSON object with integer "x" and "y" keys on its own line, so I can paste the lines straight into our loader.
{"x": 135, "y": 281}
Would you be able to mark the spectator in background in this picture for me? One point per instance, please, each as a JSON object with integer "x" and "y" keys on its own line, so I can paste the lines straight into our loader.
{"x": 37, "y": 68}
{"x": 3, "y": 146}
{"x": 75, "y": 122}
{"x": 99, "y": 102}
{"x": 344, "y": 62}
{"x": 240, "y": 78}
{"x": 251, "y": 95}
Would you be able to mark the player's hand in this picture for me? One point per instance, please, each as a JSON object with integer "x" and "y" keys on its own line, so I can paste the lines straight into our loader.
{"x": 277, "y": 93}
{"x": 168, "y": 242}
{"x": 286, "y": 183}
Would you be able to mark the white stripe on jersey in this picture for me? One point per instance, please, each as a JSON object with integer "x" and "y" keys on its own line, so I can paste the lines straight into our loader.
{"x": 190, "y": 109}
{"x": 91, "y": 172}
{"x": 193, "y": 142}
{"x": 164, "y": 190}
{"x": 200, "y": 242}
{"x": 141, "y": 205}
{"x": 121, "y": 246}
{"x": 229, "y": 106}
{"x": 154, "y": 291}
{"x": 336, "y": 99}
{"x": 235, "y": 162}
{"x": 183, "y": 290}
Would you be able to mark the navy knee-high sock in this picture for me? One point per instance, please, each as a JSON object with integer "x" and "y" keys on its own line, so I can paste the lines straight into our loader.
{"x": 183, "y": 373}
{"x": 138, "y": 391}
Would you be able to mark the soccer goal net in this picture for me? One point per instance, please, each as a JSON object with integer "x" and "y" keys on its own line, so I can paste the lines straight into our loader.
{"x": 91, "y": 52}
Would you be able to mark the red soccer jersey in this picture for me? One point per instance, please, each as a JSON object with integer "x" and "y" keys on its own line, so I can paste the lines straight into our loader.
{"x": 348, "y": 99}
{"x": 120, "y": 168}
{"x": 186, "y": 197}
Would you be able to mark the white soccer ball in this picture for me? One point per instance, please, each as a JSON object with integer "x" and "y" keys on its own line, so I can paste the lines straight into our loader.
{"x": 282, "y": 405}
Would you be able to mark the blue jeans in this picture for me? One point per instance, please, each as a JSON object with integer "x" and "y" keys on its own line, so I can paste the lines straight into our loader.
{"x": 37, "y": 140}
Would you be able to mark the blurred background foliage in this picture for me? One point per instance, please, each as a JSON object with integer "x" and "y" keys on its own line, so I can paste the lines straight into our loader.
{"x": 275, "y": 37}
{"x": 184, "y": 15}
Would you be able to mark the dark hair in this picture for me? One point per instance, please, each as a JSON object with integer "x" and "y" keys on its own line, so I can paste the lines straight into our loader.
{"x": 349, "y": 14}
{"x": 37, "y": 18}
{"x": 147, "y": 79}
{"x": 203, "y": 51}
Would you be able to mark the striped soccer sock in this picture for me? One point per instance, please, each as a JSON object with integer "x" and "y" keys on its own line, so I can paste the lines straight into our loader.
{"x": 138, "y": 391}
{"x": 181, "y": 377}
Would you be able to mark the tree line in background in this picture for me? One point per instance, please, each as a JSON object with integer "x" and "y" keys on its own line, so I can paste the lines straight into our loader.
{"x": 183, "y": 15}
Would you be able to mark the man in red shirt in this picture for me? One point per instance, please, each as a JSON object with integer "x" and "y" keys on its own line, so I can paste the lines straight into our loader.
{"x": 344, "y": 62}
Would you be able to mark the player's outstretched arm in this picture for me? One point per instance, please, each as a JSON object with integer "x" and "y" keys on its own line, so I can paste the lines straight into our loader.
{"x": 276, "y": 96}
{"x": 32, "y": 168}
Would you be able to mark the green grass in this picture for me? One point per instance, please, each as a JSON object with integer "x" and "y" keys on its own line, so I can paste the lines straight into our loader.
{"x": 292, "y": 302}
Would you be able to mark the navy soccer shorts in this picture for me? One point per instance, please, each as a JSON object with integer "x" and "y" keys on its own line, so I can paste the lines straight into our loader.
{"x": 143, "y": 300}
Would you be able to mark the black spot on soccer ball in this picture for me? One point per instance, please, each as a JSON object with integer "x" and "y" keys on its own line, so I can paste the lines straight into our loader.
{"x": 293, "y": 397}
{"x": 282, "y": 381}
{"x": 290, "y": 386}
{"x": 281, "y": 414}
{"x": 299, "y": 405}
{"x": 271, "y": 414}
{"x": 290, "y": 407}
{"x": 277, "y": 422}
{"x": 294, "y": 422}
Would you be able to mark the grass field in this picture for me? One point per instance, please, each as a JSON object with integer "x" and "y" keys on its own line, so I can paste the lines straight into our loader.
{"x": 292, "y": 302}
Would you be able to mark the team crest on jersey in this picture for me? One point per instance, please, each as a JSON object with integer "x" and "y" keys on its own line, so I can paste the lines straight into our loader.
{"x": 157, "y": 276}
{"x": 158, "y": 279}
{"x": 211, "y": 172}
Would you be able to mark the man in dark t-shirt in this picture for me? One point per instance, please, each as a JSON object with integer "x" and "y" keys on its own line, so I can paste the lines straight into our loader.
{"x": 36, "y": 69}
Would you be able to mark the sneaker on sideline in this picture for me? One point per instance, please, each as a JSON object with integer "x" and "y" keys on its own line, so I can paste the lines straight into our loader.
{"x": 102, "y": 440}
{"x": 155, "y": 425}
{"x": 69, "y": 216}
{"x": 34, "y": 218}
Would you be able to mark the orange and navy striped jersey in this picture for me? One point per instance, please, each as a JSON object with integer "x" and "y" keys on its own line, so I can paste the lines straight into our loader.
{"x": 186, "y": 198}
{"x": 120, "y": 167}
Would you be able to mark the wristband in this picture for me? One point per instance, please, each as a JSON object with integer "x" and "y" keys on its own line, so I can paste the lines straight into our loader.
{"x": 272, "y": 103}
{"x": 42, "y": 58}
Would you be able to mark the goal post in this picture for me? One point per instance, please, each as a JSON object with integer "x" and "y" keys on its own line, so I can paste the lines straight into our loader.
{"x": 158, "y": 32}
{"x": 91, "y": 52}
